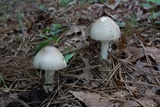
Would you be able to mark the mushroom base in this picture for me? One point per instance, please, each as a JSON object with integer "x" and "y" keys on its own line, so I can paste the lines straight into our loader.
{"x": 104, "y": 49}
{"x": 49, "y": 81}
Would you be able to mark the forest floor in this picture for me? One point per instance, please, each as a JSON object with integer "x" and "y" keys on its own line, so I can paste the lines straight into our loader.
{"x": 129, "y": 79}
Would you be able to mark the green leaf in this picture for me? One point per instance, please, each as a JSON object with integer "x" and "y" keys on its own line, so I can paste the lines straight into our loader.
{"x": 43, "y": 36}
{"x": 132, "y": 22}
{"x": 70, "y": 50}
{"x": 19, "y": 16}
{"x": 42, "y": 7}
{"x": 154, "y": 1}
{"x": 40, "y": 46}
{"x": 55, "y": 32}
{"x": 154, "y": 15}
{"x": 64, "y": 2}
{"x": 54, "y": 38}
{"x": 68, "y": 57}
{"x": 46, "y": 30}
{"x": 147, "y": 5}
{"x": 56, "y": 26}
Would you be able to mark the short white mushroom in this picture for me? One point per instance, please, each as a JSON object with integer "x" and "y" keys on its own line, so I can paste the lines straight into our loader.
{"x": 49, "y": 59}
{"x": 105, "y": 30}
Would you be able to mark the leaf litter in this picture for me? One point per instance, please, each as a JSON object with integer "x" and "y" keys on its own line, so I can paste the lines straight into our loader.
{"x": 130, "y": 79}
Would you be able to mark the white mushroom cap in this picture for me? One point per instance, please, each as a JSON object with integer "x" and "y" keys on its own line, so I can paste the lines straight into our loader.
{"x": 105, "y": 29}
{"x": 49, "y": 58}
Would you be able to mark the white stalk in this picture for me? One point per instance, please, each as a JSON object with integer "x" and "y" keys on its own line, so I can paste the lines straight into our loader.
{"x": 49, "y": 80}
{"x": 104, "y": 49}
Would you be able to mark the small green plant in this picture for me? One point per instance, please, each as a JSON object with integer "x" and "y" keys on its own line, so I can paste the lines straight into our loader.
{"x": 150, "y": 5}
{"x": 154, "y": 1}
{"x": 70, "y": 52}
{"x": 132, "y": 21}
{"x": 49, "y": 34}
{"x": 42, "y": 7}
{"x": 64, "y": 2}
{"x": 68, "y": 57}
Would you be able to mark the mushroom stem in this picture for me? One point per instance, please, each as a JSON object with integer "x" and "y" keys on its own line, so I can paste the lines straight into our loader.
{"x": 104, "y": 49}
{"x": 49, "y": 80}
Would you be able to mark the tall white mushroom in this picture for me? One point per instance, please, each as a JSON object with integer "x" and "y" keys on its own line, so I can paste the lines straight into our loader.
{"x": 49, "y": 59}
{"x": 105, "y": 30}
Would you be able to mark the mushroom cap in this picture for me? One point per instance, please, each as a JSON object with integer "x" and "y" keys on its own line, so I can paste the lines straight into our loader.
{"x": 105, "y": 29}
{"x": 49, "y": 58}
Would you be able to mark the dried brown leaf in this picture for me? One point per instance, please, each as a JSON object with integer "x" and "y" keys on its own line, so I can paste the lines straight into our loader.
{"x": 147, "y": 69}
{"x": 131, "y": 103}
{"x": 77, "y": 36}
{"x": 75, "y": 29}
{"x": 153, "y": 52}
{"x": 92, "y": 99}
{"x": 135, "y": 52}
{"x": 157, "y": 98}
{"x": 4, "y": 101}
{"x": 149, "y": 93}
{"x": 119, "y": 94}
{"x": 86, "y": 75}
{"x": 140, "y": 52}
{"x": 146, "y": 102}
{"x": 93, "y": 11}
{"x": 131, "y": 88}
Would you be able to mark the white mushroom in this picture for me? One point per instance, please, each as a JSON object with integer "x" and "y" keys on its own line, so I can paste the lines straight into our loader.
{"x": 105, "y": 30}
{"x": 49, "y": 59}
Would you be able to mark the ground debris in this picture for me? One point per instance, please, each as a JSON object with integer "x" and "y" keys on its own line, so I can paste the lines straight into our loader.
{"x": 130, "y": 79}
